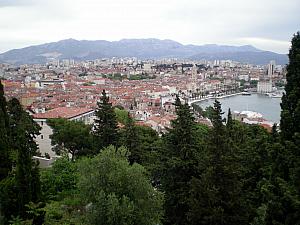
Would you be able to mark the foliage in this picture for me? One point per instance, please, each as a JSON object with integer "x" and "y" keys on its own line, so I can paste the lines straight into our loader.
{"x": 141, "y": 77}
{"x": 5, "y": 160}
{"x": 149, "y": 146}
{"x": 232, "y": 173}
{"x": 290, "y": 115}
{"x": 23, "y": 130}
{"x": 70, "y": 137}
{"x": 118, "y": 76}
{"x": 116, "y": 192}
{"x": 59, "y": 180}
{"x": 215, "y": 193}
{"x": 286, "y": 169}
{"x": 132, "y": 142}
{"x": 105, "y": 126}
{"x": 119, "y": 107}
{"x": 21, "y": 185}
{"x": 8, "y": 198}
{"x": 208, "y": 113}
{"x": 253, "y": 83}
{"x": 90, "y": 83}
{"x": 66, "y": 211}
{"x": 179, "y": 158}
{"x": 198, "y": 109}
{"x": 121, "y": 115}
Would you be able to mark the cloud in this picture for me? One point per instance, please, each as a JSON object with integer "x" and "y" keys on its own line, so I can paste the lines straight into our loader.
{"x": 266, "y": 44}
{"x": 9, "y": 3}
{"x": 190, "y": 22}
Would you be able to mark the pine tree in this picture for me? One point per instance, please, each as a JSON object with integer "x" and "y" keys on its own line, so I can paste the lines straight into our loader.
{"x": 290, "y": 114}
{"x": 23, "y": 131}
{"x": 229, "y": 122}
{"x": 5, "y": 161}
{"x": 234, "y": 137}
{"x": 215, "y": 194}
{"x": 132, "y": 141}
{"x": 180, "y": 164}
{"x": 283, "y": 201}
{"x": 105, "y": 127}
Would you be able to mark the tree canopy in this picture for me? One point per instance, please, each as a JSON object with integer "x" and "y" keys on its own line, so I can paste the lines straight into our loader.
{"x": 70, "y": 137}
{"x": 105, "y": 126}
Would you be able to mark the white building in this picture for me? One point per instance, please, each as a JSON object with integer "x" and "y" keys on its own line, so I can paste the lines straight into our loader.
{"x": 264, "y": 86}
{"x": 45, "y": 83}
{"x": 244, "y": 77}
{"x": 78, "y": 114}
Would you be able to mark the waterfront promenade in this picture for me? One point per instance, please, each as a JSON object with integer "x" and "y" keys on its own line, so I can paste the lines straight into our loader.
{"x": 212, "y": 97}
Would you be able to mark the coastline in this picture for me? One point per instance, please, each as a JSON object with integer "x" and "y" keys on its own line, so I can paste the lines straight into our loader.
{"x": 267, "y": 106}
{"x": 213, "y": 97}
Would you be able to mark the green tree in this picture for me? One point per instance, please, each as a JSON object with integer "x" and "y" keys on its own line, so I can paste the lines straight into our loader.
{"x": 215, "y": 194}
{"x": 198, "y": 109}
{"x": 8, "y": 199}
{"x": 132, "y": 141}
{"x": 70, "y": 137}
{"x": 5, "y": 160}
{"x": 116, "y": 192}
{"x": 208, "y": 112}
{"x": 278, "y": 194}
{"x": 179, "y": 162}
{"x": 283, "y": 186}
{"x": 121, "y": 115}
{"x": 251, "y": 142}
{"x": 23, "y": 131}
{"x": 229, "y": 122}
{"x": 59, "y": 180}
{"x": 290, "y": 114}
{"x": 105, "y": 126}
{"x": 150, "y": 143}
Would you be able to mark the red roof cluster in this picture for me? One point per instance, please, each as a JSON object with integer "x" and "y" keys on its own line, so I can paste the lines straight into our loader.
{"x": 62, "y": 112}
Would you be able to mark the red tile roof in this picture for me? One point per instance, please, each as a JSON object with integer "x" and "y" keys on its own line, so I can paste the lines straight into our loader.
{"x": 62, "y": 112}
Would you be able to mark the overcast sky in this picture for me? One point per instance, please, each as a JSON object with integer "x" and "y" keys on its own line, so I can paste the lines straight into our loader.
{"x": 265, "y": 24}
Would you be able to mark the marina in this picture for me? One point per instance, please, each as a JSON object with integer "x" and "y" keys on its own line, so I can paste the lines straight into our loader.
{"x": 267, "y": 106}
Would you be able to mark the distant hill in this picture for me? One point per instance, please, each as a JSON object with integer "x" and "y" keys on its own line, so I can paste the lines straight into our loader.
{"x": 142, "y": 48}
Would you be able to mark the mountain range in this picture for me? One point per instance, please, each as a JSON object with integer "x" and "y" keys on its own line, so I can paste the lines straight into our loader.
{"x": 141, "y": 48}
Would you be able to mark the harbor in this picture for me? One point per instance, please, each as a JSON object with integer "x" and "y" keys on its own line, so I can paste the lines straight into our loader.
{"x": 267, "y": 106}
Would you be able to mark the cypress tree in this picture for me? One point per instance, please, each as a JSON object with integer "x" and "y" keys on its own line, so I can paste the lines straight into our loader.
{"x": 229, "y": 119}
{"x": 23, "y": 132}
{"x": 105, "y": 126}
{"x": 180, "y": 144}
{"x": 6, "y": 182}
{"x": 283, "y": 202}
{"x": 5, "y": 161}
{"x": 132, "y": 141}
{"x": 290, "y": 114}
{"x": 215, "y": 194}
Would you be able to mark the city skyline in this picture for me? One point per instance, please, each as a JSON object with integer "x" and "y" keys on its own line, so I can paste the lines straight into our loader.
{"x": 267, "y": 25}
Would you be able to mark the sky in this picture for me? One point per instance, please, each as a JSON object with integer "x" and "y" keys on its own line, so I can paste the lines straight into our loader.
{"x": 265, "y": 24}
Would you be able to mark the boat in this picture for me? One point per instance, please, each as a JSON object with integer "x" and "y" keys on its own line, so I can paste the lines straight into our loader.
{"x": 278, "y": 95}
{"x": 246, "y": 93}
{"x": 274, "y": 95}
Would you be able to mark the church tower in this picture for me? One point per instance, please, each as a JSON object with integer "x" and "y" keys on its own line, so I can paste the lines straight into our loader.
{"x": 194, "y": 78}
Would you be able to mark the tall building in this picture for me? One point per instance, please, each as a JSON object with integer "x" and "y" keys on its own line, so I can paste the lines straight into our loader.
{"x": 193, "y": 84}
{"x": 271, "y": 68}
{"x": 264, "y": 84}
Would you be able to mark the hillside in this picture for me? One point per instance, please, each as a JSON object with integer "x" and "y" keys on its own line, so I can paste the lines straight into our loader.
{"x": 141, "y": 48}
